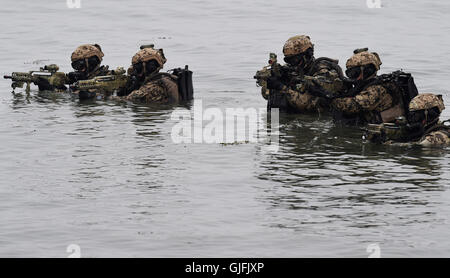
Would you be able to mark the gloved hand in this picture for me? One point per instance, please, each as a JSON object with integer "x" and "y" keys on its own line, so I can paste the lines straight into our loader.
{"x": 74, "y": 76}
{"x": 274, "y": 83}
{"x": 132, "y": 84}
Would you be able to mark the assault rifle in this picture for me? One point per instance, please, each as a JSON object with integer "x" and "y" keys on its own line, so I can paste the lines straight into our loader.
{"x": 275, "y": 99}
{"x": 398, "y": 131}
{"x": 273, "y": 69}
{"x": 105, "y": 84}
{"x": 46, "y": 78}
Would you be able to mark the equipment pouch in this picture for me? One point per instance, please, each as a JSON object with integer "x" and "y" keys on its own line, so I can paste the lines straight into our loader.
{"x": 184, "y": 80}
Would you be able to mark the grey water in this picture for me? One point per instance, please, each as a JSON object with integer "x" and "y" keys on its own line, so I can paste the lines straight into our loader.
{"x": 107, "y": 176}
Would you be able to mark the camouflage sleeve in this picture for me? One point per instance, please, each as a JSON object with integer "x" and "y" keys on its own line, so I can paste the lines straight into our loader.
{"x": 374, "y": 98}
{"x": 303, "y": 101}
{"x": 151, "y": 92}
{"x": 327, "y": 79}
{"x": 307, "y": 95}
{"x": 436, "y": 138}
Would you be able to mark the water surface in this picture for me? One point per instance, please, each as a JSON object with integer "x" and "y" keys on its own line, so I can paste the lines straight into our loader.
{"x": 108, "y": 177}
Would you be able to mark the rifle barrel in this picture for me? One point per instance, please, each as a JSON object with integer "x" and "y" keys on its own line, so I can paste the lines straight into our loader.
{"x": 7, "y": 76}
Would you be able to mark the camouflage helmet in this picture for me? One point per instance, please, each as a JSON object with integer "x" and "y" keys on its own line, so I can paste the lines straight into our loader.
{"x": 297, "y": 45}
{"x": 426, "y": 101}
{"x": 363, "y": 57}
{"x": 147, "y": 54}
{"x": 86, "y": 51}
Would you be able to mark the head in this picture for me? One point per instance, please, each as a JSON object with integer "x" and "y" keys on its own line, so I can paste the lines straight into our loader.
{"x": 87, "y": 57}
{"x": 425, "y": 109}
{"x": 363, "y": 65}
{"x": 298, "y": 51}
{"x": 147, "y": 61}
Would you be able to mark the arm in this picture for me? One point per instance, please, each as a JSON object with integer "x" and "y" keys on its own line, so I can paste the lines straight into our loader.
{"x": 325, "y": 83}
{"x": 374, "y": 98}
{"x": 150, "y": 92}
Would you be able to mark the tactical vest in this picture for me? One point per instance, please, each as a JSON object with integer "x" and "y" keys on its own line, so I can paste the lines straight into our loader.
{"x": 401, "y": 87}
{"x": 279, "y": 100}
{"x": 168, "y": 82}
{"x": 177, "y": 82}
{"x": 184, "y": 81}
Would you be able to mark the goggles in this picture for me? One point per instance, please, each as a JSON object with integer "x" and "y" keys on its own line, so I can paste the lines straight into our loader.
{"x": 79, "y": 64}
{"x": 294, "y": 59}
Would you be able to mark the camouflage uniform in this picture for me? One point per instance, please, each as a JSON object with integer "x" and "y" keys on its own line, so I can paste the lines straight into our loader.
{"x": 436, "y": 134}
{"x": 436, "y": 138}
{"x": 84, "y": 52}
{"x": 303, "y": 81}
{"x": 372, "y": 102}
{"x": 157, "y": 87}
{"x": 321, "y": 73}
{"x": 424, "y": 130}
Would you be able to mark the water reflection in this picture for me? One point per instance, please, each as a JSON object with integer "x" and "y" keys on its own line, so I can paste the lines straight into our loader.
{"x": 20, "y": 98}
{"x": 325, "y": 174}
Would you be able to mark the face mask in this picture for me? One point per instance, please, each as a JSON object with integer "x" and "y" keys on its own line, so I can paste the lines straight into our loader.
{"x": 150, "y": 67}
{"x": 424, "y": 116}
{"x": 294, "y": 60}
{"x": 79, "y": 65}
{"x": 353, "y": 73}
{"x": 138, "y": 68}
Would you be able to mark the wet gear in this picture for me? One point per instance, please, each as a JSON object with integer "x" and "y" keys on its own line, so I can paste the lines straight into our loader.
{"x": 86, "y": 64}
{"x": 376, "y": 100}
{"x": 86, "y": 51}
{"x": 427, "y": 101}
{"x": 184, "y": 81}
{"x": 296, "y": 45}
{"x": 147, "y": 54}
{"x": 355, "y": 72}
{"x": 363, "y": 57}
{"x": 303, "y": 59}
{"x": 145, "y": 68}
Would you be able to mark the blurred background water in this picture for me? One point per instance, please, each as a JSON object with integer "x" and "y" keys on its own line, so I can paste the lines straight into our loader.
{"x": 108, "y": 177}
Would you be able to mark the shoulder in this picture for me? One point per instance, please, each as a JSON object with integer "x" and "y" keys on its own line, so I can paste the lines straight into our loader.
{"x": 169, "y": 78}
{"x": 436, "y": 138}
{"x": 326, "y": 65}
{"x": 325, "y": 62}
{"x": 152, "y": 85}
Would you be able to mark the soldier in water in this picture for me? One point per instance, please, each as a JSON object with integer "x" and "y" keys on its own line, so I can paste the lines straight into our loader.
{"x": 304, "y": 80}
{"x": 86, "y": 61}
{"x": 146, "y": 83}
{"x": 421, "y": 125}
{"x": 373, "y": 99}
